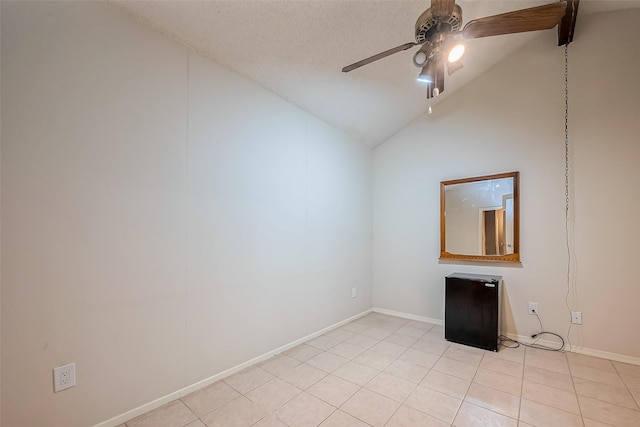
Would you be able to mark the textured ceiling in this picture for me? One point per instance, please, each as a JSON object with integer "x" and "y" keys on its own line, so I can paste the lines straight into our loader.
{"x": 298, "y": 48}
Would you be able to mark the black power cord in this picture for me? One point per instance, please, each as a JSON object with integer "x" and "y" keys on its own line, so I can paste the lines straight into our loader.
{"x": 515, "y": 344}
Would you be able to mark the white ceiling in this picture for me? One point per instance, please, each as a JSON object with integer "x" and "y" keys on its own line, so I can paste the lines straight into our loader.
{"x": 297, "y": 48}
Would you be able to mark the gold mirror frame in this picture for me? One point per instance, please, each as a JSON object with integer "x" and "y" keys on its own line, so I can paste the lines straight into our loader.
{"x": 506, "y": 257}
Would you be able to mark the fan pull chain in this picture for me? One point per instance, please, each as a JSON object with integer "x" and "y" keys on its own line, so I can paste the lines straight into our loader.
{"x": 570, "y": 289}
{"x": 566, "y": 130}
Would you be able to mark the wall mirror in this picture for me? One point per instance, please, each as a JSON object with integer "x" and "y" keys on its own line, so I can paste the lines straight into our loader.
{"x": 479, "y": 218}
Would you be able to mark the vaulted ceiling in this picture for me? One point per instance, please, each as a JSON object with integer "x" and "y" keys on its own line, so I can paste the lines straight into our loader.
{"x": 297, "y": 49}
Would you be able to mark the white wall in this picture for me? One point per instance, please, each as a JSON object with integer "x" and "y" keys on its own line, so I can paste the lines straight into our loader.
{"x": 163, "y": 218}
{"x": 512, "y": 118}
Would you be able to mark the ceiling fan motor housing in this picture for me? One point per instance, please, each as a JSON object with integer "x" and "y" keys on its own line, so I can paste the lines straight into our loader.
{"x": 427, "y": 24}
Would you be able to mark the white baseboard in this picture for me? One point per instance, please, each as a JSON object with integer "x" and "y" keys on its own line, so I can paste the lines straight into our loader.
{"x": 606, "y": 355}
{"x": 408, "y": 316}
{"x": 580, "y": 350}
{"x": 122, "y": 418}
{"x": 526, "y": 339}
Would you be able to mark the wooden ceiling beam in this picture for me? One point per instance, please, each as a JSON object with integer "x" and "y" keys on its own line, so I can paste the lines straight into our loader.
{"x": 567, "y": 26}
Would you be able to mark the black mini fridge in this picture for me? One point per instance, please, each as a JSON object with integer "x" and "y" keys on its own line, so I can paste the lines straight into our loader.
{"x": 472, "y": 310}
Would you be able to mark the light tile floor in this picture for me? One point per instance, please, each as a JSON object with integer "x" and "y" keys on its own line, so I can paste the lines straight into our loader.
{"x": 387, "y": 371}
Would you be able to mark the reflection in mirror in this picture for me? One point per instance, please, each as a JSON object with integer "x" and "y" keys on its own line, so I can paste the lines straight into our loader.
{"x": 479, "y": 218}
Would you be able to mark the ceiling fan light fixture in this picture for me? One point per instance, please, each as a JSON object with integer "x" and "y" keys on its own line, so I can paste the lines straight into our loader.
{"x": 420, "y": 58}
{"x": 425, "y": 78}
{"x": 455, "y": 53}
{"x": 438, "y": 33}
{"x": 427, "y": 73}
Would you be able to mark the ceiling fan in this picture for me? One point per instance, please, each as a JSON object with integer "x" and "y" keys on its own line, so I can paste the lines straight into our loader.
{"x": 438, "y": 27}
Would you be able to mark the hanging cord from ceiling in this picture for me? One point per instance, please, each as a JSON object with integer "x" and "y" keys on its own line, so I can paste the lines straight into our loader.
{"x": 571, "y": 287}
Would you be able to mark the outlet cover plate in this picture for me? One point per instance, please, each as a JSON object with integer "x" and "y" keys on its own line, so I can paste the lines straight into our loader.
{"x": 64, "y": 377}
{"x": 533, "y": 308}
{"x": 576, "y": 317}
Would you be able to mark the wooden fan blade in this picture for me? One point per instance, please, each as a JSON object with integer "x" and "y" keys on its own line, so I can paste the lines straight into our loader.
{"x": 520, "y": 21}
{"x": 442, "y": 8}
{"x": 567, "y": 25}
{"x": 378, "y": 56}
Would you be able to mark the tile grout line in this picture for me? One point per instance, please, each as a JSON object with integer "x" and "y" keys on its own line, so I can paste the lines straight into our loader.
{"x": 468, "y": 388}
{"x": 627, "y": 387}
{"x": 383, "y": 370}
{"x": 575, "y": 391}
{"x": 524, "y": 360}
{"x": 415, "y": 385}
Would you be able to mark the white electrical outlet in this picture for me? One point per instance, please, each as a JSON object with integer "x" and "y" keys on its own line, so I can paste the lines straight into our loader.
{"x": 533, "y": 307}
{"x": 576, "y": 317}
{"x": 354, "y": 292}
{"x": 64, "y": 377}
